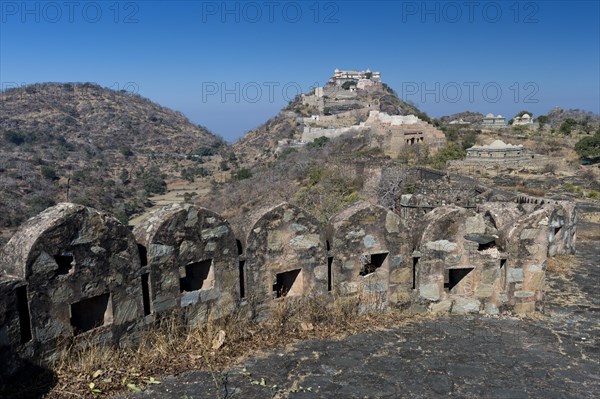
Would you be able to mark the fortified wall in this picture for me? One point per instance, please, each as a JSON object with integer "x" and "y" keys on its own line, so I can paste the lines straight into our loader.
{"x": 76, "y": 275}
{"x": 393, "y": 132}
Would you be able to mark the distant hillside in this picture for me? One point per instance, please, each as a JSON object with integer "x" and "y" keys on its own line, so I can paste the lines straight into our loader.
{"x": 558, "y": 115}
{"x": 88, "y": 144}
{"x": 467, "y": 116}
{"x": 99, "y": 118}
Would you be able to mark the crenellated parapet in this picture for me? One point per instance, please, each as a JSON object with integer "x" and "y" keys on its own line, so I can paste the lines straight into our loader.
{"x": 285, "y": 257}
{"x": 79, "y": 272}
{"x": 189, "y": 263}
{"x": 368, "y": 248}
{"x": 74, "y": 275}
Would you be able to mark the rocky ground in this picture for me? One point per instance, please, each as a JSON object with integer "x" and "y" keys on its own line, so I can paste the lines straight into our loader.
{"x": 553, "y": 355}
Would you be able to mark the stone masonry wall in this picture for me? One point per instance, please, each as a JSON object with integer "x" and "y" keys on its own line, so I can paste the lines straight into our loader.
{"x": 76, "y": 275}
{"x": 367, "y": 256}
{"x": 285, "y": 257}
{"x": 191, "y": 262}
{"x": 81, "y": 273}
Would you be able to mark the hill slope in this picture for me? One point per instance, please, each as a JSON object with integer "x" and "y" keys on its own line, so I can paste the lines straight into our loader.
{"x": 87, "y": 144}
{"x": 90, "y": 115}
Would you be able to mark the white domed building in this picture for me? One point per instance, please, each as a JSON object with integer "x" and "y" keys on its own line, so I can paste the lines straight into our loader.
{"x": 524, "y": 120}
{"x": 492, "y": 121}
{"x": 498, "y": 151}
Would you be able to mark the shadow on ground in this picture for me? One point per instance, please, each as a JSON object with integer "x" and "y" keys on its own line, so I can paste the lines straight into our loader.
{"x": 22, "y": 379}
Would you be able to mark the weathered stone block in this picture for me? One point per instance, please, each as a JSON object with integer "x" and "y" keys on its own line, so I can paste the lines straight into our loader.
{"x": 369, "y": 241}
{"x": 294, "y": 263}
{"x": 441, "y": 245}
{"x": 528, "y": 234}
{"x": 430, "y": 291}
{"x": 484, "y": 291}
{"x": 305, "y": 241}
{"x": 515, "y": 275}
{"x": 401, "y": 276}
{"x": 465, "y": 305}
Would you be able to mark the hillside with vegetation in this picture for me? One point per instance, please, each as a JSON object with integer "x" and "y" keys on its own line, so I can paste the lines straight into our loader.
{"x": 466, "y": 116}
{"x": 558, "y": 116}
{"x": 91, "y": 145}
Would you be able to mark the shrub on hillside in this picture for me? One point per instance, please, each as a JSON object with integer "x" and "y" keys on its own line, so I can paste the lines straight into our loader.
{"x": 319, "y": 142}
{"x": 18, "y": 138}
{"x": 154, "y": 181}
{"x": 589, "y": 147}
{"x": 49, "y": 173}
{"x": 243, "y": 174}
{"x": 447, "y": 153}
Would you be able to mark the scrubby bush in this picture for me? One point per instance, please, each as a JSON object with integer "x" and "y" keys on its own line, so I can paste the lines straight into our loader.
{"x": 49, "y": 173}
{"x": 469, "y": 140}
{"x": 17, "y": 138}
{"x": 348, "y": 84}
{"x": 126, "y": 151}
{"x": 243, "y": 174}
{"x": 447, "y": 153}
{"x": 589, "y": 147}
{"x": 287, "y": 152}
{"x": 567, "y": 126}
{"x": 319, "y": 142}
{"x": 204, "y": 152}
{"x": 153, "y": 181}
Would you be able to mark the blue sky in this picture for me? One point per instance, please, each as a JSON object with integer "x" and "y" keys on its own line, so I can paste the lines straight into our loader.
{"x": 232, "y": 65}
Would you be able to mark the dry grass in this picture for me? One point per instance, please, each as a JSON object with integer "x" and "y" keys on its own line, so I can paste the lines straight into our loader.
{"x": 589, "y": 234}
{"x": 591, "y": 217}
{"x": 562, "y": 265}
{"x": 536, "y": 192}
{"x": 169, "y": 347}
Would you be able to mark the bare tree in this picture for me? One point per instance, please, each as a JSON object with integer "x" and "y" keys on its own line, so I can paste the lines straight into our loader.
{"x": 390, "y": 187}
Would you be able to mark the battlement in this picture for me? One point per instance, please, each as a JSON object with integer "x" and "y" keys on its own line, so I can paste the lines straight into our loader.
{"x": 73, "y": 274}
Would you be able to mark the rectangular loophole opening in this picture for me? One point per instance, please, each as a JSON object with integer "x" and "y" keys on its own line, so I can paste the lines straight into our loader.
{"x": 375, "y": 263}
{"x": 329, "y": 273}
{"x": 91, "y": 313}
{"x": 415, "y": 263}
{"x": 488, "y": 245}
{"x": 242, "y": 266}
{"x": 198, "y": 276}
{"x": 65, "y": 263}
{"x": 503, "y": 271}
{"x": 24, "y": 316}
{"x": 557, "y": 231}
{"x": 146, "y": 293}
{"x": 288, "y": 284}
{"x": 143, "y": 255}
{"x": 455, "y": 276}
